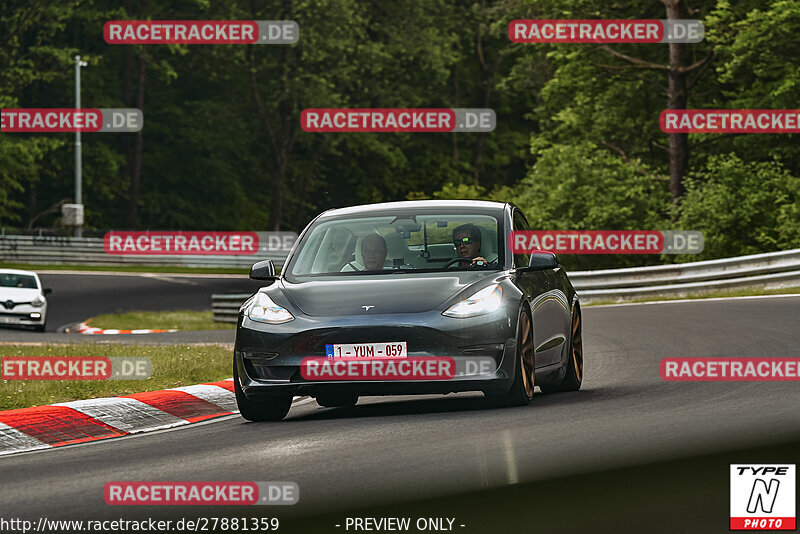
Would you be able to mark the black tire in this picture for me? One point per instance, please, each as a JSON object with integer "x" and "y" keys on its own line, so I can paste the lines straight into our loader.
{"x": 521, "y": 391}
{"x": 340, "y": 400}
{"x": 573, "y": 377}
{"x": 39, "y": 327}
{"x": 272, "y": 409}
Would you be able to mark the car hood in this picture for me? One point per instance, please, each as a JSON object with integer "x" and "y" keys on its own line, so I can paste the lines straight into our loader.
{"x": 406, "y": 293}
{"x": 18, "y": 294}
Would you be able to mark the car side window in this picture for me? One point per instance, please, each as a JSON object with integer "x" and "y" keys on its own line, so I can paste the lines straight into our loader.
{"x": 520, "y": 224}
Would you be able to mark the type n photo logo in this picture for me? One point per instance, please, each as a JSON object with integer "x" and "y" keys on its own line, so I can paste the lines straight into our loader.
{"x": 763, "y": 497}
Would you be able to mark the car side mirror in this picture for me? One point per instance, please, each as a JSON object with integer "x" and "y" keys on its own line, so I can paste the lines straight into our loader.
{"x": 263, "y": 270}
{"x": 47, "y": 290}
{"x": 541, "y": 260}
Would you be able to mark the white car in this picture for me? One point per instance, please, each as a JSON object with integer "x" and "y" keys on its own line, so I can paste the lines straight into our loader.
{"x": 22, "y": 299}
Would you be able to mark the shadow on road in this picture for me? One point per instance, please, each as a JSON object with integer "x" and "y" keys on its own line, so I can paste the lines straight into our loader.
{"x": 402, "y": 406}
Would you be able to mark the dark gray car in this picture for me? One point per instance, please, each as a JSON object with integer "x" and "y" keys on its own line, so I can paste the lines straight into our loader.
{"x": 407, "y": 282}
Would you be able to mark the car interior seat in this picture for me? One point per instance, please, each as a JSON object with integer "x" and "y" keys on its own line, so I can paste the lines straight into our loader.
{"x": 488, "y": 244}
{"x": 397, "y": 249}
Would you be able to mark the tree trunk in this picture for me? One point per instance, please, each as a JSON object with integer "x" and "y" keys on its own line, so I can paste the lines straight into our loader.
{"x": 136, "y": 155}
{"x": 276, "y": 198}
{"x": 676, "y": 99}
{"x": 480, "y": 141}
{"x": 31, "y": 203}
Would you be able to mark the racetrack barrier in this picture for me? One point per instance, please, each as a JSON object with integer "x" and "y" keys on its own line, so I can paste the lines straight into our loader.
{"x": 60, "y": 250}
{"x": 226, "y": 306}
{"x": 768, "y": 271}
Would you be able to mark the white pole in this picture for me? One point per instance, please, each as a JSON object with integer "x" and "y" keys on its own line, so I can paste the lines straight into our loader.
{"x": 78, "y": 159}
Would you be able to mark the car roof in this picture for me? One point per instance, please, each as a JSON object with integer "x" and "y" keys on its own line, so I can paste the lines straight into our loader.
{"x": 416, "y": 204}
{"x": 17, "y": 271}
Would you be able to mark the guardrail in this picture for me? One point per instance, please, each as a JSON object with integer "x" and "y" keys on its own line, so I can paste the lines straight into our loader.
{"x": 226, "y": 306}
{"x": 770, "y": 270}
{"x": 57, "y": 250}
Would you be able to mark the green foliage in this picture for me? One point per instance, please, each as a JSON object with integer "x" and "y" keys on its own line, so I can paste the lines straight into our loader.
{"x": 583, "y": 187}
{"x": 742, "y": 207}
{"x": 577, "y": 142}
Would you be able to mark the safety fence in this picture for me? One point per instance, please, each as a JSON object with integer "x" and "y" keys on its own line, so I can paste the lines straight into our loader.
{"x": 767, "y": 271}
{"x": 770, "y": 270}
{"x": 60, "y": 250}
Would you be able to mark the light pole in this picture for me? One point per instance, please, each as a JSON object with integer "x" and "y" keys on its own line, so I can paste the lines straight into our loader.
{"x": 78, "y": 192}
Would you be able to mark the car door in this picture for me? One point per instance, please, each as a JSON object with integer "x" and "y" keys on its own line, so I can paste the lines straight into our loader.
{"x": 550, "y": 311}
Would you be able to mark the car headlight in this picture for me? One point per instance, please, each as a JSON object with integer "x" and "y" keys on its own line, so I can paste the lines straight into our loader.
{"x": 487, "y": 300}
{"x": 264, "y": 310}
{"x": 38, "y": 302}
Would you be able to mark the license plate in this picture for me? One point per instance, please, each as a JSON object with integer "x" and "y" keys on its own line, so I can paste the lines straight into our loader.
{"x": 8, "y": 320}
{"x": 390, "y": 350}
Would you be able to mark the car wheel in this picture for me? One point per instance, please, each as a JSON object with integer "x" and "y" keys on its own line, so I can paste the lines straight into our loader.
{"x": 521, "y": 391}
{"x": 39, "y": 327}
{"x": 272, "y": 409}
{"x": 573, "y": 377}
{"x": 337, "y": 400}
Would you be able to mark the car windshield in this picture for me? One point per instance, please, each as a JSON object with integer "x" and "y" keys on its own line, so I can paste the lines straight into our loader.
{"x": 398, "y": 243}
{"x": 22, "y": 281}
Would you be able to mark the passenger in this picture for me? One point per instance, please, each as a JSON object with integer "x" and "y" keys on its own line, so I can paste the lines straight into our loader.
{"x": 373, "y": 251}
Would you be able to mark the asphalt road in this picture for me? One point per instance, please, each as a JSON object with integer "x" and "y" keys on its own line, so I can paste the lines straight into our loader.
{"x": 77, "y": 297}
{"x": 387, "y": 450}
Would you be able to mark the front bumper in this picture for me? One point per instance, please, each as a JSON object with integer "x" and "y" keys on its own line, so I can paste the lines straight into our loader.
{"x": 268, "y": 357}
{"x": 23, "y": 314}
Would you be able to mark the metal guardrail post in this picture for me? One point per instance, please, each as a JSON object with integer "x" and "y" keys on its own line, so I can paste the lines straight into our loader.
{"x": 226, "y": 306}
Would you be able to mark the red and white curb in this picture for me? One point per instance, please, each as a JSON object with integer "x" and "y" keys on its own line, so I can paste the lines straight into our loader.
{"x": 56, "y": 425}
{"x": 83, "y": 328}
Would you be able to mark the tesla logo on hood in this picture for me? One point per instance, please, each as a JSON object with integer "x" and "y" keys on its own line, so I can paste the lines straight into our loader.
{"x": 367, "y": 308}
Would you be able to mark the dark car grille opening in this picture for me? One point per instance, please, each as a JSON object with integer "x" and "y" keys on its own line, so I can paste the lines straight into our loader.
{"x": 26, "y": 316}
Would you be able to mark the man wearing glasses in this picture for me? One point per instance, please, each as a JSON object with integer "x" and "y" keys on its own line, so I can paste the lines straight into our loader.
{"x": 467, "y": 240}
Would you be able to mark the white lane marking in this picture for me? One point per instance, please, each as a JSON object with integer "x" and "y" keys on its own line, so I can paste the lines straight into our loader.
{"x": 693, "y": 300}
{"x": 12, "y": 440}
{"x": 213, "y": 394}
{"x": 511, "y": 460}
{"x": 169, "y": 278}
{"x": 126, "y": 414}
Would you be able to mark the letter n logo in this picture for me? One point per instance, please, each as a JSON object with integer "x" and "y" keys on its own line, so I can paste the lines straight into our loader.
{"x": 763, "y": 496}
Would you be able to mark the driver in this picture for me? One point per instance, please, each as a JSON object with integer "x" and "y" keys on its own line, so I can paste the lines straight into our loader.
{"x": 467, "y": 240}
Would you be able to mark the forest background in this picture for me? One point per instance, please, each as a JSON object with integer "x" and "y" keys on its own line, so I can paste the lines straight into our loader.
{"x": 577, "y": 143}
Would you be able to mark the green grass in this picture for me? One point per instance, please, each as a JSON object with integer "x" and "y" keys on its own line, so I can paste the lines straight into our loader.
{"x": 160, "y": 320}
{"x": 173, "y": 366}
{"x": 126, "y": 268}
{"x": 746, "y": 292}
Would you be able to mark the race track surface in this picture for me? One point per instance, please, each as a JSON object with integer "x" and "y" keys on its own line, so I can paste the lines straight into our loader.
{"x": 391, "y": 449}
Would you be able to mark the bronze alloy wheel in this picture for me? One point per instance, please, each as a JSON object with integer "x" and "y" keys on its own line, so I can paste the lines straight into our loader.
{"x": 521, "y": 391}
{"x": 526, "y": 355}
{"x": 577, "y": 345}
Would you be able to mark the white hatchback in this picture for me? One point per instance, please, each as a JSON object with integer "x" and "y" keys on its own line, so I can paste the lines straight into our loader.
{"x": 22, "y": 299}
